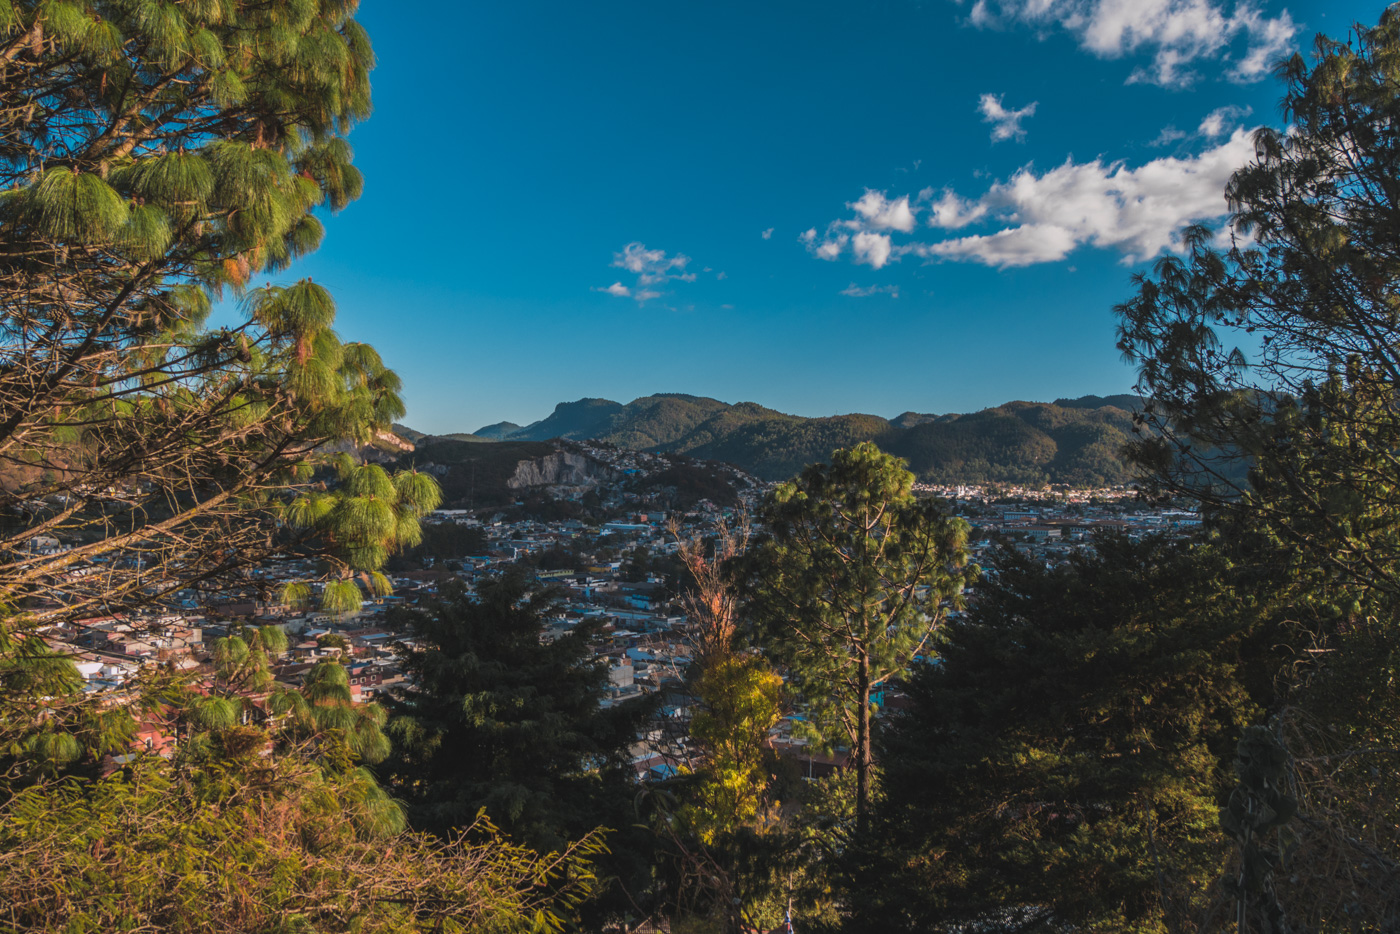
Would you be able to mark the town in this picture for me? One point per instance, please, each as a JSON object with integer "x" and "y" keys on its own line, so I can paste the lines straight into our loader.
{"x": 621, "y": 571}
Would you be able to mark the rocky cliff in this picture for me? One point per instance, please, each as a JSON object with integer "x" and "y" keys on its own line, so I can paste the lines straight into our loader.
{"x": 562, "y": 468}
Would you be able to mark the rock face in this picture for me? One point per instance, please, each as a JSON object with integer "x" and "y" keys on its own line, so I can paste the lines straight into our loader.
{"x": 393, "y": 442}
{"x": 563, "y": 468}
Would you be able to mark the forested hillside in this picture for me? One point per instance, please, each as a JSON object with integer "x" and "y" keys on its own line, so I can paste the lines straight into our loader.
{"x": 1070, "y": 441}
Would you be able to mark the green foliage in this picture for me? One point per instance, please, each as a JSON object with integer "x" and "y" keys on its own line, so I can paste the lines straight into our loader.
{"x": 246, "y": 826}
{"x": 1065, "y": 756}
{"x": 1273, "y": 368}
{"x": 848, "y": 583}
{"x": 330, "y": 728}
{"x": 46, "y": 725}
{"x": 741, "y": 699}
{"x": 1273, "y": 365}
{"x": 266, "y": 845}
{"x": 158, "y": 155}
{"x": 367, "y": 517}
{"x": 497, "y": 719}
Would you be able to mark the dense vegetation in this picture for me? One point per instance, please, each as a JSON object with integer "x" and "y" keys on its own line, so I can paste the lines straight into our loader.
{"x": 498, "y": 719}
{"x": 1157, "y": 735}
{"x": 156, "y": 157}
{"x": 1069, "y": 751}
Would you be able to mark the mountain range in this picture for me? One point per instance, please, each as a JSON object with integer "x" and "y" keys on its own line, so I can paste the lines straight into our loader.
{"x": 1069, "y": 441}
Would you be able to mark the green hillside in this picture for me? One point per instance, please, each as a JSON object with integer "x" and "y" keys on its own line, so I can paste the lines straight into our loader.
{"x": 1070, "y": 441}
{"x": 419, "y": 437}
{"x": 497, "y": 432}
{"x": 774, "y": 446}
{"x": 586, "y": 418}
{"x": 1019, "y": 442}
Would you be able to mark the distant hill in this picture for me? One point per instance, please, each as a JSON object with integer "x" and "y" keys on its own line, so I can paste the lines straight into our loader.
{"x": 408, "y": 434}
{"x": 1125, "y": 401}
{"x": 497, "y": 432}
{"x": 650, "y": 422}
{"x": 418, "y": 437}
{"x": 772, "y": 445}
{"x": 1073, "y": 441}
{"x": 1020, "y": 442}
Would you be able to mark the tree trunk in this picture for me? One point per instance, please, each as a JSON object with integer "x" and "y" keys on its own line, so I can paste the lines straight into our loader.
{"x": 862, "y": 750}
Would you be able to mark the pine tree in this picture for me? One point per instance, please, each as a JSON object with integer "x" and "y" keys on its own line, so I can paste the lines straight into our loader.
{"x": 1062, "y": 763}
{"x": 1273, "y": 369}
{"x": 158, "y": 155}
{"x": 1272, "y": 365}
{"x": 495, "y": 717}
{"x": 848, "y": 583}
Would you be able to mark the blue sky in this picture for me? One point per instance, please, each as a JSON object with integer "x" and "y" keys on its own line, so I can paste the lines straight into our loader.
{"x": 824, "y": 208}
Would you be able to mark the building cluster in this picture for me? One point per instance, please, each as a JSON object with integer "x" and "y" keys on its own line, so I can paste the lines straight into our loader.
{"x": 1053, "y": 528}
{"x": 620, "y": 577}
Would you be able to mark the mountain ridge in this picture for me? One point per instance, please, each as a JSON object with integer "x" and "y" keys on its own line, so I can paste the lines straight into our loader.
{"x": 1070, "y": 441}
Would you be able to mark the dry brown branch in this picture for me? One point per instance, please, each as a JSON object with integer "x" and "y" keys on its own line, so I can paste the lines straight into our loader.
{"x": 711, "y": 603}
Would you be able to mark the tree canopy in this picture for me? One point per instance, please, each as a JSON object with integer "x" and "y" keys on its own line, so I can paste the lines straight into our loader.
{"x": 156, "y": 157}
{"x": 1062, "y": 763}
{"x": 847, "y": 583}
{"x": 1272, "y": 364}
{"x": 496, "y": 718}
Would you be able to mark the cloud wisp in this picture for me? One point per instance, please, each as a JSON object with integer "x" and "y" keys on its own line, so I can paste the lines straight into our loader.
{"x": 1042, "y": 216}
{"x": 1179, "y": 34}
{"x": 856, "y": 291}
{"x": 1006, "y": 124}
{"x": 1221, "y": 121}
{"x": 653, "y": 268}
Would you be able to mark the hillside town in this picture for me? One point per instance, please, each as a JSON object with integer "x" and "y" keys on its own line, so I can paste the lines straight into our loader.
{"x": 621, "y": 573}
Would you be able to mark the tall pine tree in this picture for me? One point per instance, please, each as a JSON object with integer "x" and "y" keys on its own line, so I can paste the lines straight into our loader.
{"x": 495, "y": 717}
{"x": 1062, "y": 762}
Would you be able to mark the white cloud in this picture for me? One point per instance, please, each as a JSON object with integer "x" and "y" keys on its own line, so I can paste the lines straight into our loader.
{"x": 1006, "y": 123}
{"x": 881, "y": 213}
{"x": 635, "y": 257}
{"x": 1040, "y": 217}
{"x": 871, "y": 248}
{"x": 1272, "y": 40}
{"x": 855, "y": 291}
{"x": 1139, "y": 212}
{"x": 1178, "y": 33}
{"x": 767, "y": 234}
{"x": 1024, "y": 245}
{"x": 827, "y": 248}
{"x": 1222, "y": 120}
{"x": 1169, "y": 135}
{"x": 652, "y": 267}
{"x": 951, "y": 212}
